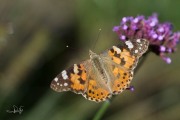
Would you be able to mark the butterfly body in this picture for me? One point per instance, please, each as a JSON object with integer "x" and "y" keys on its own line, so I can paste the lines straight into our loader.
{"x": 99, "y": 66}
{"x": 104, "y": 75}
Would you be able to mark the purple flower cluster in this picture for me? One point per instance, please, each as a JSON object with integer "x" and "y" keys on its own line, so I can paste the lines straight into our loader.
{"x": 160, "y": 35}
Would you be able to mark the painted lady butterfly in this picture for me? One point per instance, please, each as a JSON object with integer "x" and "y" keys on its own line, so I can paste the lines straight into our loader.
{"x": 103, "y": 75}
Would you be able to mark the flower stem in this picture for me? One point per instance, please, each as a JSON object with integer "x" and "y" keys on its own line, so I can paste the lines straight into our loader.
{"x": 102, "y": 110}
{"x": 106, "y": 104}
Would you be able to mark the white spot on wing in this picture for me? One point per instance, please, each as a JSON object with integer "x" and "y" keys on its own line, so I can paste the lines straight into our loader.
{"x": 64, "y": 74}
{"x": 136, "y": 51}
{"x": 76, "y": 69}
{"x": 56, "y": 79}
{"x": 65, "y": 84}
{"x": 138, "y": 40}
{"x": 117, "y": 49}
{"x": 129, "y": 44}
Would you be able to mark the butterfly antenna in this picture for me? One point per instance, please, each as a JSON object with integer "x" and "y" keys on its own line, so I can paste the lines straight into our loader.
{"x": 97, "y": 39}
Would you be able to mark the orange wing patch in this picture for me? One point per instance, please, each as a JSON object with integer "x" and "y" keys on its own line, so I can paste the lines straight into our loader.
{"x": 123, "y": 79}
{"x": 78, "y": 78}
{"x": 129, "y": 59}
{"x": 76, "y": 84}
{"x": 123, "y": 58}
{"x": 96, "y": 93}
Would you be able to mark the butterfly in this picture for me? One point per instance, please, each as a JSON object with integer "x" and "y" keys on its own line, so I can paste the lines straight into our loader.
{"x": 103, "y": 75}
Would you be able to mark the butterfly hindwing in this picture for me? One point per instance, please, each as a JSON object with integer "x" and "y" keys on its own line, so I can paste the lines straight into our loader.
{"x": 119, "y": 77}
{"x": 97, "y": 88}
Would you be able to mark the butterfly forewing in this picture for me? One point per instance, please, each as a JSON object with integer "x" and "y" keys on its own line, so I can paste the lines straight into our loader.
{"x": 74, "y": 79}
{"x": 127, "y": 54}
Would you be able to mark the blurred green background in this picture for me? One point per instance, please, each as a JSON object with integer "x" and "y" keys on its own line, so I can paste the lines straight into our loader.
{"x": 33, "y": 39}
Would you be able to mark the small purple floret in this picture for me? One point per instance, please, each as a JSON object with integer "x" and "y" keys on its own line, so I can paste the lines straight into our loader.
{"x": 160, "y": 37}
{"x": 167, "y": 60}
{"x": 131, "y": 88}
{"x": 154, "y": 36}
{"x": 125, "y": 27}
{"x": 136, "y": 20}
{"x": 124, "y": 19}
{"x": 161, "y": 29}
{"x": 116, "y": 28}
{"x": 162, "y": 48}
{"x": 123, "y": 37}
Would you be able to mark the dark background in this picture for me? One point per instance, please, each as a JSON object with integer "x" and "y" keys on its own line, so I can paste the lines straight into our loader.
{"x": 33, "y": 39}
